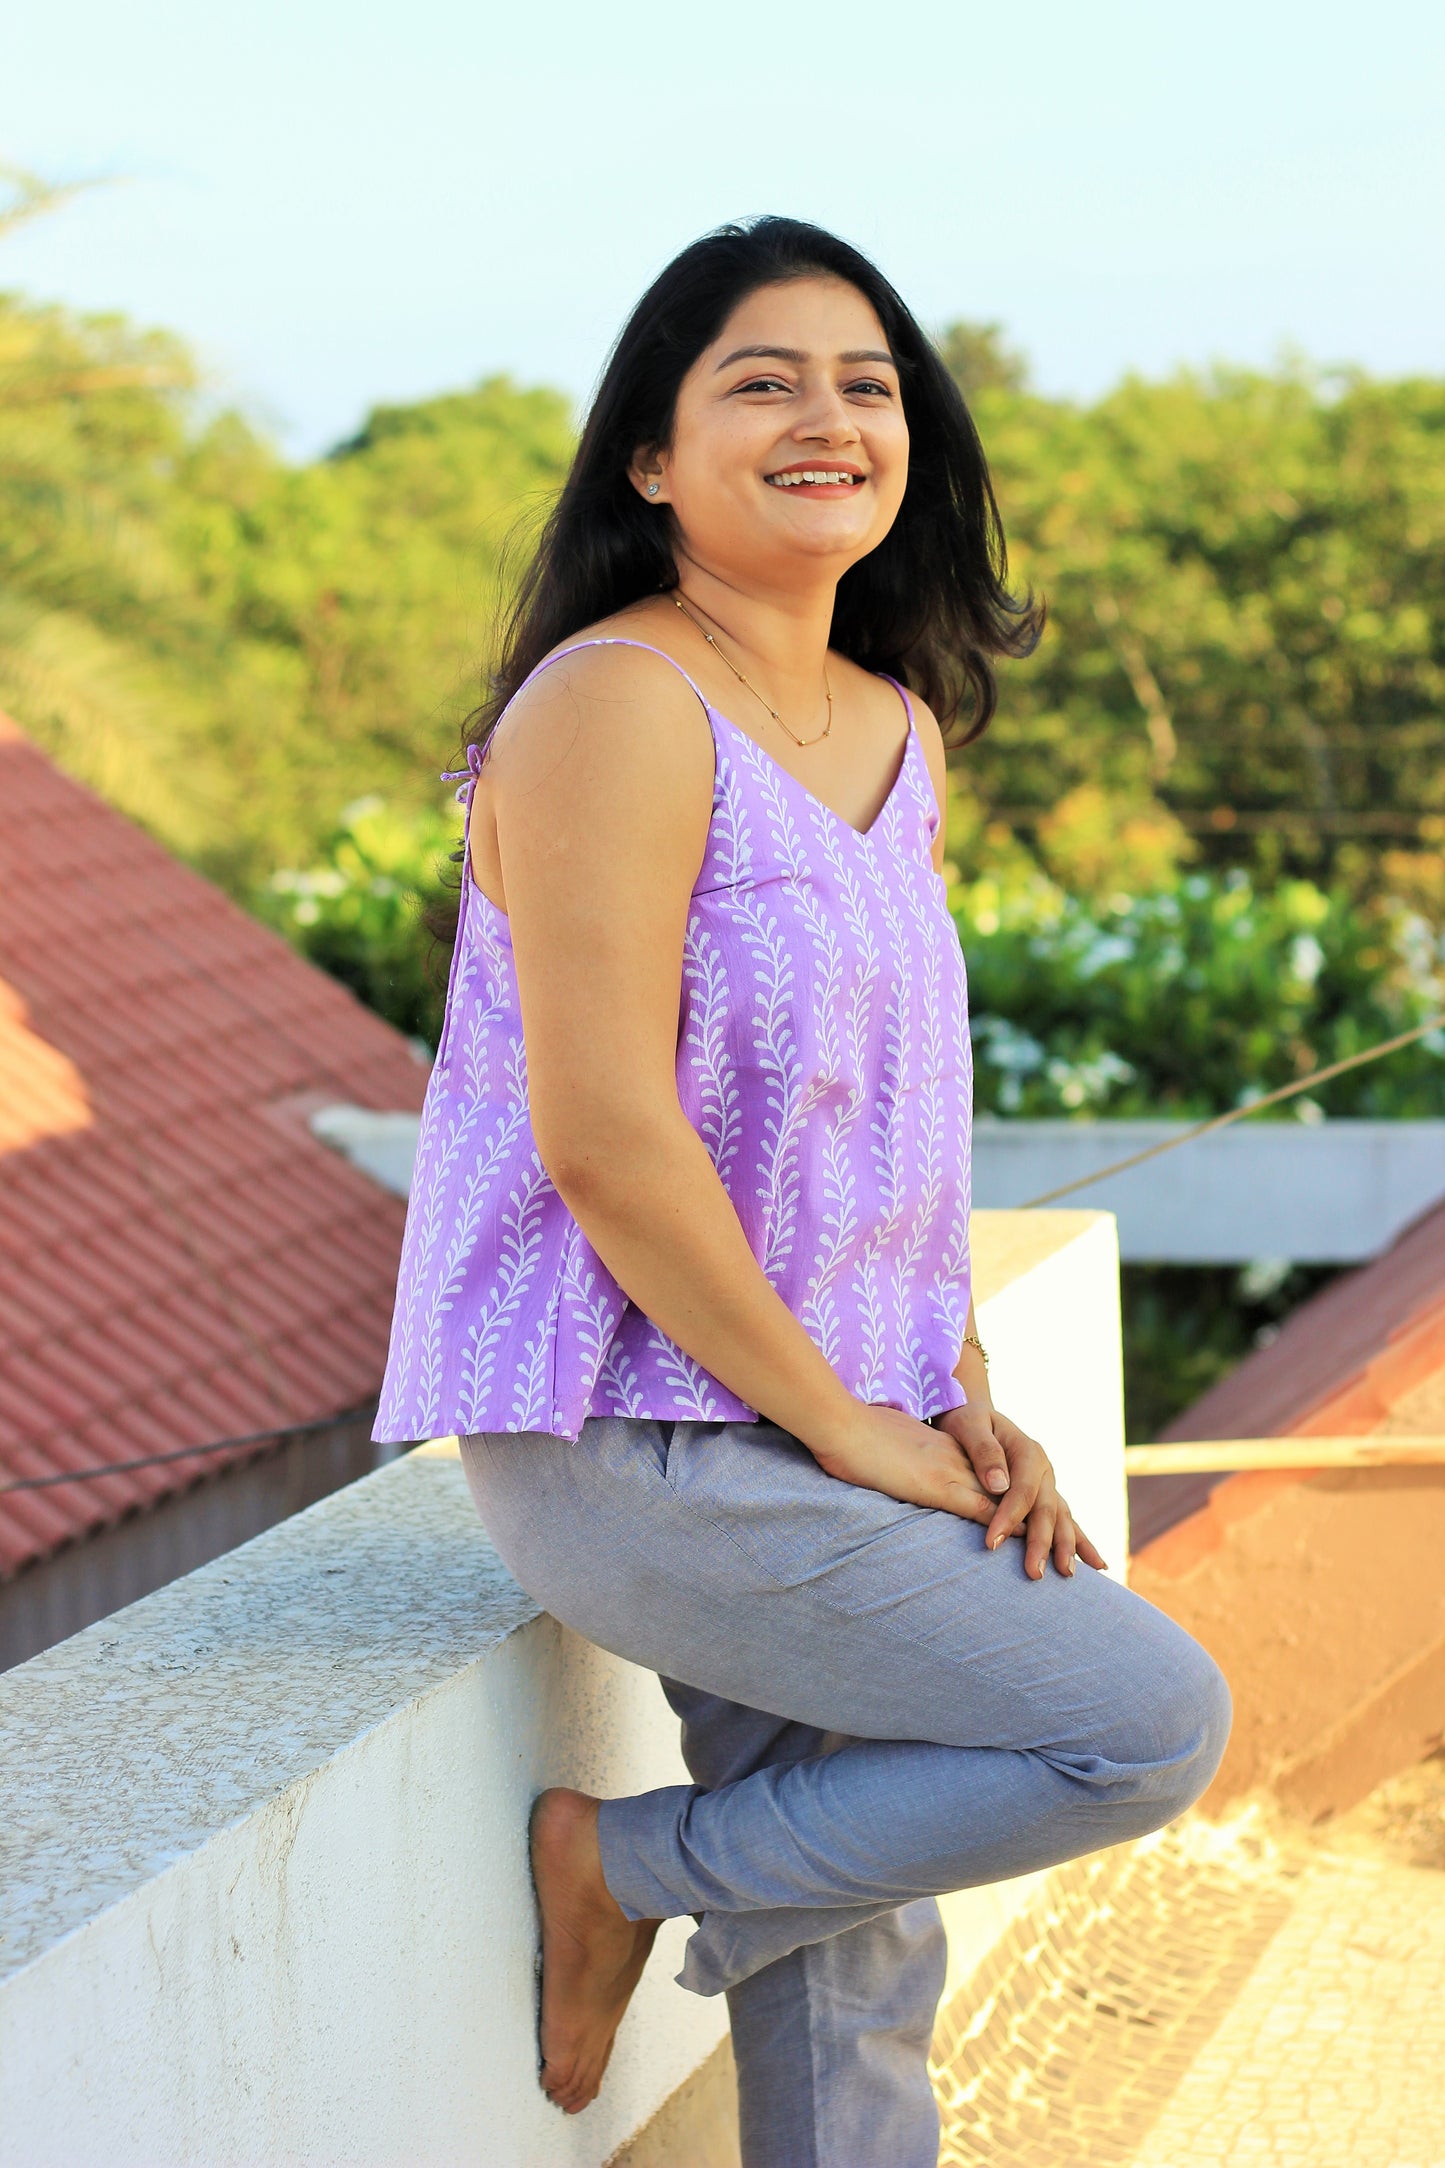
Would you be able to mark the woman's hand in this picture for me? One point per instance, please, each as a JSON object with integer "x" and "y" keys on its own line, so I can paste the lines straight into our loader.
{"x": 1007, "y": 1460}
{"x": 886, "y": 1450}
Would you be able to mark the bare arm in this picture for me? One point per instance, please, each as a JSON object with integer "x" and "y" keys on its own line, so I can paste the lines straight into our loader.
{"x": 600, "y": 781}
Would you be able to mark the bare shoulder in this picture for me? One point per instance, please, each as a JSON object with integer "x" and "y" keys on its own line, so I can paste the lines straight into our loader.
{"x": 605, "y": 761}
{"x": 601, "y": 702}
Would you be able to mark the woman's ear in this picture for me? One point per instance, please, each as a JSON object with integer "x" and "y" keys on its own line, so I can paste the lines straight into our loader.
{"x": 646, "y": 474}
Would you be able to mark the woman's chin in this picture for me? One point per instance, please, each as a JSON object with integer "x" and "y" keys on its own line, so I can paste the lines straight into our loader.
{"x": 822, "y": 532}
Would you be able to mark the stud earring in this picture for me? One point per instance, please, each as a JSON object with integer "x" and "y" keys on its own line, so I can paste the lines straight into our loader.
{"x": 653, "y": 488}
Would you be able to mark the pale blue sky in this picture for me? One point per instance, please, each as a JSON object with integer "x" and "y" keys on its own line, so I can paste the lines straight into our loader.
{"x": 340, "y": 204}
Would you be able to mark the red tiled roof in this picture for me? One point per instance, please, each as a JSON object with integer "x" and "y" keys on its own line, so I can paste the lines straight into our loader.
{"x": 1365, "y": 1354}
{"x": 180, "y": 1259}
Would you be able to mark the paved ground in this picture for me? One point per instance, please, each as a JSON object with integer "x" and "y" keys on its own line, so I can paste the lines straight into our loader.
{"x": 1248, "y": 1994}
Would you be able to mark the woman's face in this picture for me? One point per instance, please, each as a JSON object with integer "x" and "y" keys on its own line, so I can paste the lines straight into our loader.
{"x": 799, "y": 384}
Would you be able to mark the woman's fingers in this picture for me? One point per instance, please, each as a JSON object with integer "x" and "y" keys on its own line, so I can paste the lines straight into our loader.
{"x": 964, "y": 1499}
{"x": 1090, "y": 1552}
{"x": 990, "y": 1462}
{"x": 1014, "y": 1508}
{"x": 1032, "y": 1509}
{"x": 1039, "y": 1540}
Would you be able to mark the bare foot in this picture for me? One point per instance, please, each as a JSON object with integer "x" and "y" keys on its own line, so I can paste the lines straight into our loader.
{"x": 592, "y": 1954}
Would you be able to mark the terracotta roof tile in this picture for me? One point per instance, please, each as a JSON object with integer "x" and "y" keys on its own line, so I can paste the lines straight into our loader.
{"x": 184, "y": 1264}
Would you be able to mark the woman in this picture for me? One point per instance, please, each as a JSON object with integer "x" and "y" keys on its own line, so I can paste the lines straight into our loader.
{"x": 687, "y": 1254}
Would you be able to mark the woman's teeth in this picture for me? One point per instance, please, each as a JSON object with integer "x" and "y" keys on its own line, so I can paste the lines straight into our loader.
{"x": 811, "y": 474}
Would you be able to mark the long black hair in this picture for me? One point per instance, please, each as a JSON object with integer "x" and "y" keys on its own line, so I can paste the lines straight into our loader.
{"x": 929, "y": 604}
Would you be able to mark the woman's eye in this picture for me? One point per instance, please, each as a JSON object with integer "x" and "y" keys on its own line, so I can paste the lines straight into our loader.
{"x": 763, "y": 383}
{"x": 872, "y": 385}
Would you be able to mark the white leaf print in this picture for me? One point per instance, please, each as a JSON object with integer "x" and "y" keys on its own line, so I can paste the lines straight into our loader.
{"x": 730, "y": 850}
{"x": 824, "y": 1057}
{"x": 529, "y": 1399}
{"x": 775, "y": 1045}
{"x": 928, "y": 1174}
{"x": 593, "y": 1304}
{"x": 620, "y": 1376}
{"x": 519, "y": 1254}
{"x": 688, "y": 1380}
{"x": 468, "y": 1213}
{"x": 715, "y": 1076}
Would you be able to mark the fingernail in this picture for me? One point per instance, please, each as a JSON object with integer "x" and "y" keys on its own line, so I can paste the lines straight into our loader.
{"x": 996, "y": 1479}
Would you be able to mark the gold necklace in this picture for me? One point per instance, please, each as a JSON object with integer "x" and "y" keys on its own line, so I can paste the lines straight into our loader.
{"x": 737, "y": 673}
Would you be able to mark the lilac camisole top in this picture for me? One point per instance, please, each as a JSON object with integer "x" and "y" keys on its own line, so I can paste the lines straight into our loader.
{"x": 822, "y": 1056}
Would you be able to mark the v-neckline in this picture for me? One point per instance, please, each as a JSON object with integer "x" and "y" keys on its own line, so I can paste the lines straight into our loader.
{"x": 864, "y": 835}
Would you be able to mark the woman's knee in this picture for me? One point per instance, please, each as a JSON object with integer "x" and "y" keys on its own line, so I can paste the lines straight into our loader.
{"x": 1186, "y": 1716}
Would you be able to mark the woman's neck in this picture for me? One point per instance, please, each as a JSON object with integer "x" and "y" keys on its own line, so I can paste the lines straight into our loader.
{"x": 782, "y": 635}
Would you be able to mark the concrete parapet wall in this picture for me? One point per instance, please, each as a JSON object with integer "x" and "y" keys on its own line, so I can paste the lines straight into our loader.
{"x": 268, "y": 1899}
{"x": 265, "y": 1896}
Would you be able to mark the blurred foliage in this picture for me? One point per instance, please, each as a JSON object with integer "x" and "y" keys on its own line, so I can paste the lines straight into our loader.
{"x": 1190, "y": 999}
{"x": 225, "y": 645}
{"x": 1244, "y": 662}
{"x": 359, "y": 912}
{"x": 980, "y": 359}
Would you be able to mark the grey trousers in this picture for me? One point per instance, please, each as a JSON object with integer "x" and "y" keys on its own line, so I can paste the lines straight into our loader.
{"x": 875, "y": 1709}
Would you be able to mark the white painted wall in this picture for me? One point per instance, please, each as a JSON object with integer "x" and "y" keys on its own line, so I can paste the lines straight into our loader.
{"x": 1331, "y": 1194}
{"x": 1056, "y": 1361}
{"x": 263, "y": 1887}
{"x": 265, "y": 1896}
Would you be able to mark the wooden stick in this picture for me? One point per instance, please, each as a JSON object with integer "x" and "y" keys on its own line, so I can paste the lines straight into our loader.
{"x": 1211, "y": 1456}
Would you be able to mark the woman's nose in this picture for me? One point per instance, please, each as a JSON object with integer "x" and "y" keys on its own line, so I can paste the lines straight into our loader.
{"x": 828, "y": 415}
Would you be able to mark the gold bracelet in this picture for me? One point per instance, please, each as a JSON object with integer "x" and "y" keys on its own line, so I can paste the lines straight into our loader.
{"x": 971, "y": 1340}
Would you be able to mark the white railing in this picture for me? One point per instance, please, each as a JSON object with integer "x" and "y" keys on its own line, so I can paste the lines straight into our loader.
{"x": 264, "y": 1896}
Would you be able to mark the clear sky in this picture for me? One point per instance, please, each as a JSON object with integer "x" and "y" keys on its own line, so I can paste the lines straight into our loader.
{"x": 341, "y": 203}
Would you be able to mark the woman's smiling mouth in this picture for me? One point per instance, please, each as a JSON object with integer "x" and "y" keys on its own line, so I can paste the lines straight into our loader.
{"x": 821, "y": 480}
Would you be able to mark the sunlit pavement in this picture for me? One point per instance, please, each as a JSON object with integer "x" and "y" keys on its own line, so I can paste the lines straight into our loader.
{"x": 1219, "y": 1995}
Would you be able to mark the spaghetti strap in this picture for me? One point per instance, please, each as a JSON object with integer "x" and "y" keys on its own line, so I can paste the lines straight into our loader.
{"x": 578, "y": 645}
{"x": 902, "y": 691}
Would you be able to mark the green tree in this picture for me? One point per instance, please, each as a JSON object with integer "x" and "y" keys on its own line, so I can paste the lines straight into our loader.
{"x": 228, "y": 647}
{"x": 1243, "y": 575}
{"x": 1244, "y": 663}
{"x": 979, "y": 359}
{"x": 371, "y": 581}
{"x": 101, "y": 636}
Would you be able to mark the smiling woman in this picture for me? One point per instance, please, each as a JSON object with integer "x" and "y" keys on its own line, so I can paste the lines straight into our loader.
{"x": 687, "y": 1252}
{"x": 926, "y": 599}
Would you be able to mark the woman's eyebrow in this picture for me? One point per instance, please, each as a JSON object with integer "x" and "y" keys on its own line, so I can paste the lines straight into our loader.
{"x": 796, "y": 354}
